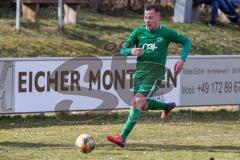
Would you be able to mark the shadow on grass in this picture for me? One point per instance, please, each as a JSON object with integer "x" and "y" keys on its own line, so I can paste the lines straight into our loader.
{"x": 74, "y": 34}
{"x": 107, "y": 118}
{"x": 33, "y": 145}
{"x": 77, "y": 33}
{"x": 173, "y": 147}
{"x": 94, "y": 26}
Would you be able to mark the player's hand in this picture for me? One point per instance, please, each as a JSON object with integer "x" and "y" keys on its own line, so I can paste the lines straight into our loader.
{"x": 178, "y": 67}
{"x": 137, "y": 51}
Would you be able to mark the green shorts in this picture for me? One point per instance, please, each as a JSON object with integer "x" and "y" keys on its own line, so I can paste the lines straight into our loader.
{"x": 146, "y": 84}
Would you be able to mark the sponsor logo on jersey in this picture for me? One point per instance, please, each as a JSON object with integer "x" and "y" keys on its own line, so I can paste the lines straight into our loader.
{"x": 149, "y": 47}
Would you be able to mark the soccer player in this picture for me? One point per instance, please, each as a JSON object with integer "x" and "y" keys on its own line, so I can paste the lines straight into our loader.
{"x": 150, "y": 44}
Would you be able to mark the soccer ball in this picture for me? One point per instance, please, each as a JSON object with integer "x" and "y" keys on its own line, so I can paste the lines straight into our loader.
{"x": 85, "y": 143}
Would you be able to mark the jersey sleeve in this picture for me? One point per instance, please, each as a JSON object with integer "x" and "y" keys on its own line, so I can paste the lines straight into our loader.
{"x": 185, "y": 41}
{"x": 130, "y": 42}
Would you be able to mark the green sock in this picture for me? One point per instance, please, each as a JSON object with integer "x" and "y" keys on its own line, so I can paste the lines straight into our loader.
{"x": 132, "y": 120}
{"x": 156, "y": 105}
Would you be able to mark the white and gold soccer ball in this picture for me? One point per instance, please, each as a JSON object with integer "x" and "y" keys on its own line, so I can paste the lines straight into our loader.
{"x": 85, "y": 143}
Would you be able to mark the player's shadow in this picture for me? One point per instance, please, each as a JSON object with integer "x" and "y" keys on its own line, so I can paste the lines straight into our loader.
{"x": 174, "y": 147}
{"x": 33, "y": 145}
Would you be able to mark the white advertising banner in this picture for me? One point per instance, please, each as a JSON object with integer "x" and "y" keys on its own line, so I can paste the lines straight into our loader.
{"x": 210, "y": 81}
{"x": 79, "y": 84}
{"x": 94, "y": 83}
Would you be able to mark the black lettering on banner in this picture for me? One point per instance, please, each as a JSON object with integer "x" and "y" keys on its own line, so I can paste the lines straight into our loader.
{"x": 30, "y": 81}
{"x": 64, "y": 80}
{"x": 109, "y": 101}
{"x": 131, "y": 72}
{"x": 75, "y": 78}
{"x": 94, "y": 78}
{"x": 119, "y": 79}
{"x": 106, "y": 74}
{"x": 52, "y": 80}
{"x": 36, "y": 81}
{"x": 22, "y": 81}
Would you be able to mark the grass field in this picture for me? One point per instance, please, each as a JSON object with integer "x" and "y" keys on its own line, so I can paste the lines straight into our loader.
{"x": 94, "y": 31}
{"x": 189, "y": 135}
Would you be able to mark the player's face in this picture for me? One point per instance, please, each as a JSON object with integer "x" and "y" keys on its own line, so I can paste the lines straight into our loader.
{"x": 151, "y": 19}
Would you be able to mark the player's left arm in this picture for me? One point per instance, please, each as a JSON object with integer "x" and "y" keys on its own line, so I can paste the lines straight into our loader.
{"x": 187, "y": 44}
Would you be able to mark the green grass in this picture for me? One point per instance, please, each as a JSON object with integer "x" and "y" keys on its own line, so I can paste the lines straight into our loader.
{"x": 93, "y": 31}
{"x": 189, "y": 135}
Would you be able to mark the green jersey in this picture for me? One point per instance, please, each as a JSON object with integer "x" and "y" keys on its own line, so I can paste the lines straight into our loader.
{"x": 155, "y": 45}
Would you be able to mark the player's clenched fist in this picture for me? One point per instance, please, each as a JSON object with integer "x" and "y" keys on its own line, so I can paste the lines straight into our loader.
{"x": 137, "y": 51}
{"x": 178, "y": 67}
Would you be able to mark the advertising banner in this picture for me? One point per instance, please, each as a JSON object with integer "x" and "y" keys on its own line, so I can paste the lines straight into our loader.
{"x": 100, "y": 83}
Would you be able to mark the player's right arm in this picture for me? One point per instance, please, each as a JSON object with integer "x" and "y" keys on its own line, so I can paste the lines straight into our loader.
{"x": 127, "y": 48}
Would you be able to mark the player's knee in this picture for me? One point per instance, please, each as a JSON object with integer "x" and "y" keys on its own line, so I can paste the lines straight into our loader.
{"x": 139, "y": 102}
